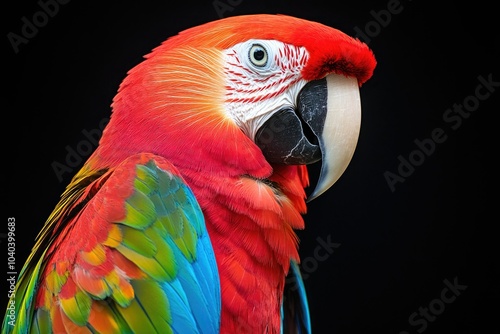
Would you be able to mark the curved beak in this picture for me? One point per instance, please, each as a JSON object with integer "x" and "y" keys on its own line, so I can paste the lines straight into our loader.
{"x": 325, "y": 125}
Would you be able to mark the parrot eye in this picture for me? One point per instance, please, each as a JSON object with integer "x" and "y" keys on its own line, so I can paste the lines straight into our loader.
{"x": 258, "y": 55}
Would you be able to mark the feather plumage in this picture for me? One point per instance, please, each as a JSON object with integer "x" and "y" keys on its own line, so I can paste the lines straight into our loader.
{"x": 147, "y": 266}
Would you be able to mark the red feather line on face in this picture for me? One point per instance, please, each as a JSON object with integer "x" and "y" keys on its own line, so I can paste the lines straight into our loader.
{"x": 248, "y": 87}
{"x": 254, "y": 97}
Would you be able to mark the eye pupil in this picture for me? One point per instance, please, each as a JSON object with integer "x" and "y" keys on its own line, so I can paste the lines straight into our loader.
{"x": 259, "y": 54}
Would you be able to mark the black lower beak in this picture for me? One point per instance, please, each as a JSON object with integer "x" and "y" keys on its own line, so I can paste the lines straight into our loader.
{"x": 292, "y": 136}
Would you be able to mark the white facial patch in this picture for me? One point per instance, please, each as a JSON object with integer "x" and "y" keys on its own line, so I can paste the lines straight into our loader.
{"x": 262, "y": 76}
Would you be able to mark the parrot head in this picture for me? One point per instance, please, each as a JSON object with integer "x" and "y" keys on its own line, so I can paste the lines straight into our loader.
{"x": 243, "y": 94}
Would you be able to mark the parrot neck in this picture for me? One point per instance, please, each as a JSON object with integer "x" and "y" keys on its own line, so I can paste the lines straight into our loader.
{"x": 250, "y": 222}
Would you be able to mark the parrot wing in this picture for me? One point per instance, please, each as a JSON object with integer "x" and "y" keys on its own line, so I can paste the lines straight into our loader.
{"x": 125, "y": 251}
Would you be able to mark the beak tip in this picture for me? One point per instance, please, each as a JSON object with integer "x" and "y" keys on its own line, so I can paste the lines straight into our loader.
{"x": 324, "y": 183}
{"x": 311, "y": 197}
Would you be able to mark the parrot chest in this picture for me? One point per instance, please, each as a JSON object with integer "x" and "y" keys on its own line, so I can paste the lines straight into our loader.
{"x": 250, "y": 224}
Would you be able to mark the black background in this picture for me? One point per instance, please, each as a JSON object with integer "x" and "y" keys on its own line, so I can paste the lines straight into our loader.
{"x": 396, "y": 247}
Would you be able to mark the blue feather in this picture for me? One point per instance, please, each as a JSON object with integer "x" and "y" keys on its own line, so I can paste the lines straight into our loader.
{"x": 295, "y": 316}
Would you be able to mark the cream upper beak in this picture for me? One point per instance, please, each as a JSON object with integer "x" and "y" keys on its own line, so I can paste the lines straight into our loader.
{"x": 340, "y": 133}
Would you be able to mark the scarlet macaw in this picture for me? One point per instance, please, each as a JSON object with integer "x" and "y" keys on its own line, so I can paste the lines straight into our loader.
{"x": 182, "y": 220}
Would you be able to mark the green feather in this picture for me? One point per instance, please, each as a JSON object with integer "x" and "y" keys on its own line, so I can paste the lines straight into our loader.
{"x": 42, "y": 323}
{"x": 149, "y": 312}
{"x": 77, "y": 308}
{"x": 138, "y": 241}
{"x": 140, "y": 211}
{"x": 187, "y": 241}
{"x": 149, "y": 265}
{"x": 146, "y": 180}
{"x": 165, "y": 185}
{"x": 165, "y": 255}
{"x": 173, "y": 223}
